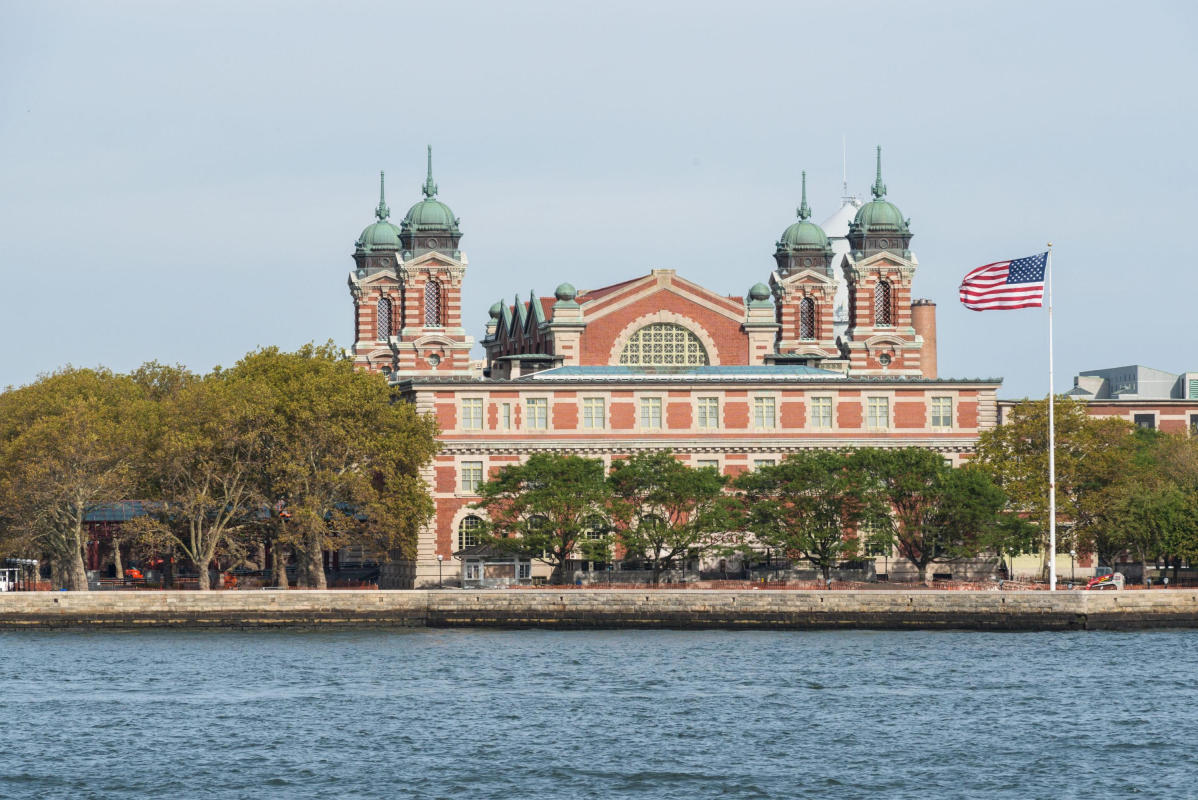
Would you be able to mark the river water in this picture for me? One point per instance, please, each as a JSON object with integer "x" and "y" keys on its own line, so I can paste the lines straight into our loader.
{"x": 646, "y": 714}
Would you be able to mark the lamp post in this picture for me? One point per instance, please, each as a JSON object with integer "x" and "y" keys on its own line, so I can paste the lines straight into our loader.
{"x": 440, "y": 582}
{"x": 1072, "y": 565}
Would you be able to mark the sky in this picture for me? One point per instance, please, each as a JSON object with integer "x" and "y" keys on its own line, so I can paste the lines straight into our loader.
{"x": 184, "y": 182}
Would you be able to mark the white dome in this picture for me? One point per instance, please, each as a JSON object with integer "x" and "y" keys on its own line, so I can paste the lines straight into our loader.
{"x": 837, "y": 225}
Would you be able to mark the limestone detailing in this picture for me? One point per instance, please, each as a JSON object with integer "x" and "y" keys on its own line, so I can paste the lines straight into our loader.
{"x": 573, "y": 608}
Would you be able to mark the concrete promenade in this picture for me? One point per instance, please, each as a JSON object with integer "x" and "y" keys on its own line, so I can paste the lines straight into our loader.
{"x": 573, "y": 608}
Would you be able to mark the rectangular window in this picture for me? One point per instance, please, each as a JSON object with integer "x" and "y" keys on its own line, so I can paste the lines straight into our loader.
{"x": 764, "y": 412}
{"x": 942, "y": 412}
{"x": 536, "y": 414}
{"x": 650, "y": 412}
{"x": 1193, "y": 424}
{"x": 1145, "y": 421}
{"x": 474, "y": 570}
{"x": 708, "y": 412}
{"x": 1193, "y": 389}
{"x": 472, "y": 414}
{"x": 525, "y": 570}
{"x": 878, "y": 413}
{"x": 758, "y": 463}
{"x": 505, "y": 416}
{"x": 821, "y": 412}
{"x": 472, "y": 476}
{"x": 714, "y": 463}
{"x": 594, "y": 413}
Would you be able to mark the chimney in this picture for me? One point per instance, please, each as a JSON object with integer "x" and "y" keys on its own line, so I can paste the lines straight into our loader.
{"x": 923, "y": 319}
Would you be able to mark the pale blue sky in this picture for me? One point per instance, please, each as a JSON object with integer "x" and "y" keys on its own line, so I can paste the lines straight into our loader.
{"x": 185, "y": 181}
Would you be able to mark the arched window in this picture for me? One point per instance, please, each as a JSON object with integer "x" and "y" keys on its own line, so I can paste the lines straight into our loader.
{"x": 383, "y": 319}
{"x": 597, "y": 527}
{"x": 806, "y": 318}
{"x": 663, "y": 344}
{"x": 882, "y": 304}
{"x": 432, "y": 304}
{"x": 468, "y": 531}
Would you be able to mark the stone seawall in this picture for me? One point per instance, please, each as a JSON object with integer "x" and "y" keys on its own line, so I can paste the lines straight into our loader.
{"x": 795, "y": 610}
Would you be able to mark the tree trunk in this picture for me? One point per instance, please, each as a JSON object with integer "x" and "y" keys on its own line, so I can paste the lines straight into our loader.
{"x": 827, "y": 570}
{"x": 204, "y": 582}
{"x": 1144, "y": 569}
{"x": 923, "y": 574}
{"x": 116, "y": 559}
{"x": 74, "y": 572}
{"x": 278, "y": 565}
{"x": 315, "y": 565}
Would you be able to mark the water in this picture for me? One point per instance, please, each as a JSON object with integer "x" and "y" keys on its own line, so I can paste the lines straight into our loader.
{"x": 646, "y": 714}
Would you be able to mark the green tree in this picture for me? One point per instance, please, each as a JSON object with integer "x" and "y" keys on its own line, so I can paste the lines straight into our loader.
{"x": 938, "y": 513}
{"x": 68, "y": 442}
{"x": 545, "y": 507}
{"x": 669, "y": 510}
{"x": 341, "y": 456}
{"x": 807, "y": 504}
{"x": 1091, "y": 454}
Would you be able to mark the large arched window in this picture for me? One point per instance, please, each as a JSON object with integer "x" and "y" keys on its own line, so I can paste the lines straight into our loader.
{"x": 468, "y": 531}
{"x": 663, "y": 344}
{"x": 432, "y": 304}
{"x": 383, "y": 319}
{"x": 807, "y": 318}
{"x": 882, "y": 304}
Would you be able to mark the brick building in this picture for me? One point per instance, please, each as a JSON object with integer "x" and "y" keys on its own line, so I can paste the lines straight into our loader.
{"x": 829, "y": 350}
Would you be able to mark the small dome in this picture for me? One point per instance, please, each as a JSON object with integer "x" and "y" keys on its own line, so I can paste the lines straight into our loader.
{"x": 430, "y": 214}
{"x": 759, "y": 292}
{"x": 381, "y": 235}
{"x": 496, "y": 310}
{"x": 565, "y": 293}
{"x": 880, "y": 214}
{"x": 804, "y": 234}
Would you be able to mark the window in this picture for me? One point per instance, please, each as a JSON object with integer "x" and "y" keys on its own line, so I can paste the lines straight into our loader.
{"x": 1145, "y": 421}
{"x": 505, "y": 416}
{"x": 758, "y": 463}
{"x": 873, "y": 535}
{"x": 807, "y": 318}
{"x": 650, "y": 412}
{"x": 708, "y": 412}
{"x": 468, "y": 532}
{"x": 878, "y": 413}
{"x": 472, "y": 476}
{"x": 821, "y": 412}
{"x": 525, "y": 570}
{"x": 597, "y": 528}
{"x": 474, "y": 570}
{"x": 1193, "y": 389}
{"x": 704, "y": 463}
{"x": 764, "y": 412}
{"x": 882, "y": 315}
{"x": 383, "y": 320}
{"x": 472, "y": 414}
{"x": 432, "y": 304}
{"x": 1193, "y": 424}
{"x": 536, "y": 413}
{"x": 942, "y": 412}
{"x": 664, "y": 344}
{"x": 594, "y": 413}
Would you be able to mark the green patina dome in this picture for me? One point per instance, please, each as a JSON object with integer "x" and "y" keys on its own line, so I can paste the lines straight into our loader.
{"x": 496, "y": 310}
{"x": 380, "y": 235}
{"x": 759, "y": 292}
{"x": 430, "y": 214}
{"x": 566, "y": 292}
{"x": 880, "y": 214}
{"x": 804, "y": 234}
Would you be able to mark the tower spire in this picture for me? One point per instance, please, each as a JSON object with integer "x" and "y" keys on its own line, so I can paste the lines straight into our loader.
{"x": 804, "y": 209}
{"x": 382, "y": 212}
{"x": 879, "y": 188}
{"x": 430, "y": 188}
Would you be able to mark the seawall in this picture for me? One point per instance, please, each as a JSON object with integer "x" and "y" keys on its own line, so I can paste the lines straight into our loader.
{"x": 573, "y": 608}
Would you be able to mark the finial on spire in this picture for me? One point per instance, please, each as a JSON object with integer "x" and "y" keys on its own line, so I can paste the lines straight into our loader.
{"x": 879, "y": 188}
{"x": 382, "y": 212}
{"x": 430, "y": 188}
{"x": 804, "y": 209}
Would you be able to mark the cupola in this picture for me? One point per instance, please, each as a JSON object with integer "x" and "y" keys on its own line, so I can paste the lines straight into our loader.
{"x": 803, "y": 245}
{"x": 879, "y": 225}
{"x": 430, "y": 224}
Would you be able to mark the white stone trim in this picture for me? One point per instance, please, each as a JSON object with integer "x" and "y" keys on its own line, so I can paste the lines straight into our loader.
{"x": 670, "y": 317}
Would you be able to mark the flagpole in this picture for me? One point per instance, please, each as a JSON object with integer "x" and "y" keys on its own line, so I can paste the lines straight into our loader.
{"x": 1052, "y": 450}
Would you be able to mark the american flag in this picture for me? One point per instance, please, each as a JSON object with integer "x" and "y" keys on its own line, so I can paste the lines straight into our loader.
{"x": 1006, "y": 284}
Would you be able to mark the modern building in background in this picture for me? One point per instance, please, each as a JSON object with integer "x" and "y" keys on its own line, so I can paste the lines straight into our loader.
{"x": 828, "y": 349}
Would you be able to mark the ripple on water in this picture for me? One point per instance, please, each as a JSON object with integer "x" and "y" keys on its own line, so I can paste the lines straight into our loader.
{"x": 598, "y": 714}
